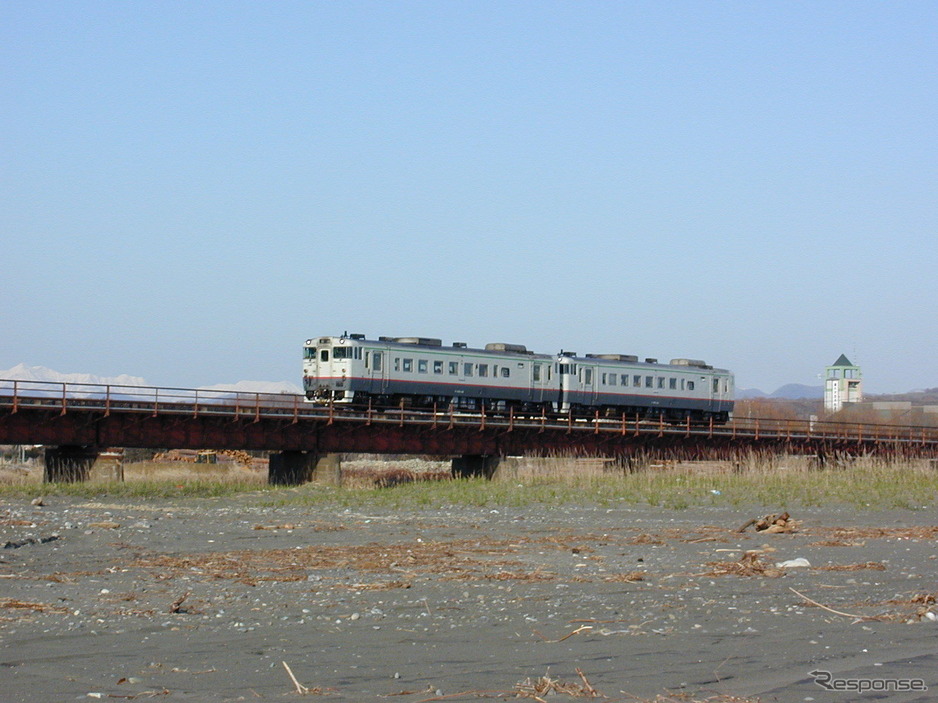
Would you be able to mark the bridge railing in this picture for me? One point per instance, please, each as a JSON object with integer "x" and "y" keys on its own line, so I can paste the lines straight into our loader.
{"x": 69, "y": 397}
{"x": 93, "y": 396}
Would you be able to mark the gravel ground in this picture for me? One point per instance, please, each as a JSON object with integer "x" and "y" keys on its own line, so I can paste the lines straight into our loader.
{"x": 206, "y": 599}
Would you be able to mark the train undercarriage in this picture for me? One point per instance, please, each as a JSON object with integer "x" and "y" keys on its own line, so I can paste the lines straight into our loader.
{"x": 362, "y": 400}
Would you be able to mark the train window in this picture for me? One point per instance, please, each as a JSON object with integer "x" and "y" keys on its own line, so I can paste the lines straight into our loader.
{"x": 672, "y": 384}
{"x": 612, "y": 379}
{"x": 437, "y": 367}
{"x": 683, "y": 383}
{"x": 624, "y": 378}
{"x": 603, "y": 379}
{"x": 690, "y": 385}
{"x": 453, "y": 368}
{"x": 716, "y": 385}
{"x": 341, "y": 353}
{"x": 421, "y": 366}
{"x": 367, "y": 358}
{"x": 506, "y": 372}
{"x": 636, "y": 381}
{"x": 377, "y": 359}
{"x": 588, "y": 377}
{"x": 324, "y": 355}
{"x": 309, "y": 352}
{"x": 483, "y": 370}
{"x": 408, "y": 365}
{"x": 661, "y": 382}
{"x": 649, "y": 381}
{"x": 536, "y": 373}
{"x": 567, "y": 369}
{"x": 358, "y": 352}
{"x": 397, "y": 363}
{"x": 467, "y": 369}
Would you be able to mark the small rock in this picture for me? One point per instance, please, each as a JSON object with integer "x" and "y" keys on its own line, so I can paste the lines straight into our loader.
{"x": 39, "y": 503}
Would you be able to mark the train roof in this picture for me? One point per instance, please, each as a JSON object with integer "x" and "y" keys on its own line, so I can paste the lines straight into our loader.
{"x": 519, "y": 350}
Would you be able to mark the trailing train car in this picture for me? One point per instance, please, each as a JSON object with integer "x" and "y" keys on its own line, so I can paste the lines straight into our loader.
{"x": 616, "y": 383}
{"x": 421, "y": 372}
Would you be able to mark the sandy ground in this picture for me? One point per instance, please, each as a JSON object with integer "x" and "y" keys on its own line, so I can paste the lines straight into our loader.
{"x": 204, "y": 600}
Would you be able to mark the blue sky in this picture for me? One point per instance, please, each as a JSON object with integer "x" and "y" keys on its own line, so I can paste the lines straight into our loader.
{"x": 191, "y": 190}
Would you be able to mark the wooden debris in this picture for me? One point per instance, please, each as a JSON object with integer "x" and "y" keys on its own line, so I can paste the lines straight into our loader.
{"x": 288, "y": 526}
{"x": 771, "y": 524}
{"x": 582, "y": 628}
{"x": 305, "y": 690}
{"x": 177, "y": 604}
{"x": 750, "y": 564}
{"x": 538, "y": 688}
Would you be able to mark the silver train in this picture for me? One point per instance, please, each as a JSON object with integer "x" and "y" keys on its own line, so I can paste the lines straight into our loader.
{"x": 422, "y": 373}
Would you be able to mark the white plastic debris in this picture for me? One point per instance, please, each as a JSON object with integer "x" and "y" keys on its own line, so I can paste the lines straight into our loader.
{"x": 800, "y": 562}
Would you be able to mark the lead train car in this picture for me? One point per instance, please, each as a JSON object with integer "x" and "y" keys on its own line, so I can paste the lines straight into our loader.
{"x": 421, "y": 372}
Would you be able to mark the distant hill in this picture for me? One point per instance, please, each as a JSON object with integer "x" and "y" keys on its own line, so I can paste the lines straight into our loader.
{"x": 794, "y": 391}
{"x": 790, "y": 391}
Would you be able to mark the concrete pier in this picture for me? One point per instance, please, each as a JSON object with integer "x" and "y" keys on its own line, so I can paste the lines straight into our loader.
{"x": 293, "y": 468}
{"x": 69, "y": 463}
{"x": 472, "y": 465}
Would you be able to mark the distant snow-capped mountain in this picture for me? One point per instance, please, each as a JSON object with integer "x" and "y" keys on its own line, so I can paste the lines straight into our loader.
{"x": 270, "y": 387}
{"x": 22, "y": 372}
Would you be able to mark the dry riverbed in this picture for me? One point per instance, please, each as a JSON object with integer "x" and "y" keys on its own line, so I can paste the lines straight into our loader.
{"x": 228, "y": 599}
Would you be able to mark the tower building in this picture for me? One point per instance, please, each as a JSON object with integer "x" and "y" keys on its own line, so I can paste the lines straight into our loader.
{"x": 842, "y": 384}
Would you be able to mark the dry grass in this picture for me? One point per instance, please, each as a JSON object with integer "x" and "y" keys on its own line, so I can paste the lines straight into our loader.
{"x": 867, "y": 565}
{"x": 778, "y": 481}
{"x": 456, "y": 560}
{"x": 749, "y": 565}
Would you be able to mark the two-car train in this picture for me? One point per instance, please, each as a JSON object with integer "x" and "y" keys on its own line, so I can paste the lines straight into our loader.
{"x": 421, "y": 372}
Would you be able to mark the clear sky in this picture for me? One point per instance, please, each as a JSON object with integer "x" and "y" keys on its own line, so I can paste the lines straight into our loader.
{"x": 191, "y": 190}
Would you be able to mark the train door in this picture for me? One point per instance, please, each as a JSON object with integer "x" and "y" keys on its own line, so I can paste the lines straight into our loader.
{"x": 588, "y": 382}
{"x": 540, "y": 381}
{"x": 567, "y": 382}
{"x": 376, "y": 361}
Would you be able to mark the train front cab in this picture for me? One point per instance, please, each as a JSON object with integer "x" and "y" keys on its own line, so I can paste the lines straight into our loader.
{"x": 330, "y": 367}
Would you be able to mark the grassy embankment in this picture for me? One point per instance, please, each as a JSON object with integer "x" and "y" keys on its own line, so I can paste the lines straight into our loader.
{"x": 777, "y": 482}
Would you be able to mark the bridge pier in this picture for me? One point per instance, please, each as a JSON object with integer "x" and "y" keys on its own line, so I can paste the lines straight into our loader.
{"x": 70, "y": 463}
{"x": 292, "y": 468}
{"x": 472, "y": 465}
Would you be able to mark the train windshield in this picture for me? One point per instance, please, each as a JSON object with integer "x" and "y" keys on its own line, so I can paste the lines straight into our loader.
{"x": 342, "y": 353}
{"x": 309, "y": 352}
{"x": 567, "y": 368}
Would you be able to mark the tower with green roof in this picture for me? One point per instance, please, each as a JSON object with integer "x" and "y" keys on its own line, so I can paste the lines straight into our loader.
{"x": 842, "y": 384}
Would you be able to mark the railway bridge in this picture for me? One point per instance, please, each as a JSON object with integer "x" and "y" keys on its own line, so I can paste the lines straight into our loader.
{"x": 76, "y": 421}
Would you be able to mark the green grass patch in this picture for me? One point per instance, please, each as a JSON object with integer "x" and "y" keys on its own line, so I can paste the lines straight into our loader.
{"x": 863, "y": 488}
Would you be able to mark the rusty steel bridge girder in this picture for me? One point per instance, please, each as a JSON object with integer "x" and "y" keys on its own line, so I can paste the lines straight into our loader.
{"x": 161, "y": 418}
